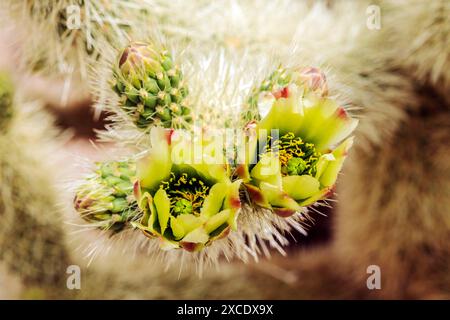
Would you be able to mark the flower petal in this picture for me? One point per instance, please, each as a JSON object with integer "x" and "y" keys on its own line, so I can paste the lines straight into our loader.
{"x": 167, "y": 245}
{"x": 316, "y": 197}
{"x": 214, "y": 201}
{"x": 155, "y": 167}
{"x": 329, "y": 175}
{"x": 217, "y": 220}
{"x": 277, "y": 197}
{"x": 334, "y": 129}
{"x": 198, "y": 235}
{"x": 268, "y": 169}
{"x": 322, "y": 163}
{"x": 256, "y": 196}
{"x": 286, "y": 114}
{"x": 315, "y": 119}
{"x": 300, "y": 187}
{"x": 232, "y": 199}
{"x": 189, "y": 222}
{"x": 162, "y": 204}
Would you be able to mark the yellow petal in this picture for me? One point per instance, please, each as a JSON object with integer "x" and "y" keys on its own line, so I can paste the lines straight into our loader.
{"x": 190, "y": 222}
{"x": 322, "y": 194}
{"x": 217, "y": 220}
{"x": 277, "y": 197}
{"x": 256, "y": 196}
{"x": 214, "y": 201}
{"x": 268, "y": 169}
{"x": 162, "y": 204}
{"x": 300, "y": 187}
{"x": 330, "y": 174}
{"x": 232, "y": 199}
{"x": 198, "y": 235}
{"x": 155, "y": 167}
{"x": 177, "y": 228}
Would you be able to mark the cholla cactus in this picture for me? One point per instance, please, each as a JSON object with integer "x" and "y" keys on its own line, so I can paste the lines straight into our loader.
{"x": 105, "y": 198}
{"x": 186, "y": 203}
{"x": 194, "y": 206}
{"x": 32, "y": 242}
{"x": 72, "y": 30}
{"x": 299, "y": 166}
{"x": 6, "y": 101}
{"x": 151, "y": 87}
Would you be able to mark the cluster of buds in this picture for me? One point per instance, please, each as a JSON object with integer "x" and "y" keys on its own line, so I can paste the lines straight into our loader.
{"x": 6, "y": 100}
{"x": 106, "y": 197}
{"x": 151, "y": 87}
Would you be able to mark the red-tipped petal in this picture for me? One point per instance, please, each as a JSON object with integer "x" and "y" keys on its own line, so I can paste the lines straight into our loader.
{"x": 341, "y": 113}
{"x": 283, "y": 93}
{"x": 283, "y": 212}
{"x": 257, "y": 196}
{"x": 137, "y": 190}
{"x": 190, "y": 246}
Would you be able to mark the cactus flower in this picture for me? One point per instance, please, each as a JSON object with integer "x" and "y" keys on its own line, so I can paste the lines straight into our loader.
{"x": 297, "y": 161}
{"x": 186, "y": 204}
{"x": 151, "y": 87}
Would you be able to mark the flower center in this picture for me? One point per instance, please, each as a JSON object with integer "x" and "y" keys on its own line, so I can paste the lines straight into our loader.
{"x": 186, "y": 193}
{"x": 296, "y": 156}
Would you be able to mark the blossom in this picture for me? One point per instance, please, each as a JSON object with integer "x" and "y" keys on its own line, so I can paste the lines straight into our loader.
{"x": 298, "y": 149}
{"x": 187, "y": 203}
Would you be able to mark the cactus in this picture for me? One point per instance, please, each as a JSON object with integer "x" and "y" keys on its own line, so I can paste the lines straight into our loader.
{"x": 151, "y": 87}
{"x": 106, "y": 198}
{"x": 32, "y": 240}
{"x": 300, "y": 166}
{"x": 6, "y": 101}
{"x": 69, "y": 33}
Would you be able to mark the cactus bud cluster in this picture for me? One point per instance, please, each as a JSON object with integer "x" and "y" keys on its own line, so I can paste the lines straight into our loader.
{"x": 106, "y": 197}
{"x": 151, "y": 87}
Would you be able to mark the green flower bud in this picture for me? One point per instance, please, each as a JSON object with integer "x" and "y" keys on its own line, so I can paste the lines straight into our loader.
{"x": 106, "y": 197}
{"x": 149, "y": 84}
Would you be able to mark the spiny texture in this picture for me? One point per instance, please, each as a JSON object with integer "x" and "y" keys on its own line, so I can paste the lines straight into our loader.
{"x": 407, "y": 207}
{"x": 71, "y": 30}
{"x": 422, "y": 38}
{"x": 6, "y": 101}
{"x": 392, "y": 223}
{"x": 105, "y": 198}
{"x": 307, "y": 78}
{"x": 151, "y": 87}
{"x": 32, "y": 241}
{"x": 105, "y": 279}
